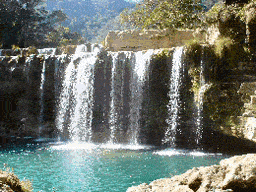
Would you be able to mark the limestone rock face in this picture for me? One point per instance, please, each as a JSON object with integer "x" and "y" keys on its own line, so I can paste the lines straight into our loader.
{"x": 133, "y": 40}
{"x": 236, "y": 174}
{"x": 248, "y": 119}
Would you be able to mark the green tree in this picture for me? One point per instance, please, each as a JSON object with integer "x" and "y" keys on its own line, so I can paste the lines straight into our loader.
{"x": 25, "y": 22}
{"x": 165, "y": 14}
{"x": 62, "y": 36}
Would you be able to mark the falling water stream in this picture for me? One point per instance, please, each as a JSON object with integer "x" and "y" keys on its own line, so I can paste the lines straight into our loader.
{"x": 113, "y": 124}
{"x": 75, "y": 104}
{"x": 81, "y": 119}
{"x": 174, "y": 95}
{"x": 142, "y": 60}
{"x": 76, "y": 98}
{"x": 46, "y": 53}
{"x": 200, "y": 105}
{"x": 41, "y": 98}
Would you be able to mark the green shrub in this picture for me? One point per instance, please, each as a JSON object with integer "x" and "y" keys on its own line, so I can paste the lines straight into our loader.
{"x": 231, "y": 52}
{"x": 193, "y": 52}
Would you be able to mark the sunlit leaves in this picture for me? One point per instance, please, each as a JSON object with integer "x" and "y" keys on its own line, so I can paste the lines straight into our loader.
{"x": 165, "y": 13}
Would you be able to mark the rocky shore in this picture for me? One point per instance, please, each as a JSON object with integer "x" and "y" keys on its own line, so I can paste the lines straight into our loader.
{"x": 10, "y": 183}
{"x": 237, "y": 174}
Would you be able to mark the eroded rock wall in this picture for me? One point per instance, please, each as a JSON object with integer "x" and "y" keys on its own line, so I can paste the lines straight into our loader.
{"x": 23, "y": 99}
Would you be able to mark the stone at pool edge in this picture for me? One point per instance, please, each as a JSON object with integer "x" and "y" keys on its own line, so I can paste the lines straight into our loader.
{"x": 11, "y": 183}
{"x": 232, "y": 173}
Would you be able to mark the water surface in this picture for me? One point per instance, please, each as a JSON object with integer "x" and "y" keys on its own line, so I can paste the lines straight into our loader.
{"x": 102, "y": 168}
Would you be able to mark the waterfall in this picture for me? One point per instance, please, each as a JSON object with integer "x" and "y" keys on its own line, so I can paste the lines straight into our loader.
{"x": 80, "y": 49}
{"x": 120, "y": 96}
{"x": 199, "y": 120}
{"x": 41, "y": 102}
{"x": 81, "y": 119}
{"x": 139, "y": 66}
{"x": 76, "y": 99}
{"x": 117, "y": 113}
{"x": 47, "y": 52}
{"x": 128, "y": 76}
{"x": 113, "y": 125}
{"x": 65, "y": 101}
{"x": 174, "y": 95}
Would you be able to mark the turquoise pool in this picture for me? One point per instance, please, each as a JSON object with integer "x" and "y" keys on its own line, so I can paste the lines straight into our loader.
{"x": 98, "y": 168}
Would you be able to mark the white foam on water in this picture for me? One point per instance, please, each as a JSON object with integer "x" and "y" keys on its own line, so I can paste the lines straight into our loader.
{"x": 169, "y": 152}
{"x": 89, "y": 146}
{"x": 173, "y": 152}
{"x": 124, "y": 146}
{"x": 201, "y": 153}
{"x": 74, "y": 146}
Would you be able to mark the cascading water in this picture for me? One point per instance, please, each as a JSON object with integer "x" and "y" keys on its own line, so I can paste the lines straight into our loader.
{"x": 174, "y": 95}
{"x": 81, "y": 119}
{"x": 113, "y": 124}
{"x": 80, "y": 49}
{"x": 199, "y": 121}
{"x": 44, "y": 52}
{"x": 76, "y": 99}
{"x": 65, "y": 98}
{"x": 139, "y": 66}
{"x": 121, "y": 82}
{"x": 41, "y": 98}
{"x": 128, "y": 76}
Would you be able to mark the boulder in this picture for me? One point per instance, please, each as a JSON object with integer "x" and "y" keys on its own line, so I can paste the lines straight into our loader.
{"x": 237, "y": 174}
{"x": 10, "y": 183}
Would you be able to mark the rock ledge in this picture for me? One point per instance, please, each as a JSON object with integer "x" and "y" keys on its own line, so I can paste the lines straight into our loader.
{"x": 237, "y": 174}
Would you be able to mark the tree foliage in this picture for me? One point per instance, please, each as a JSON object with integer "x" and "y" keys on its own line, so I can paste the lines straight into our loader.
{"x": 25, "y": 23}
{"x": 62, "y": 36}
{"x": 164, "y": 14}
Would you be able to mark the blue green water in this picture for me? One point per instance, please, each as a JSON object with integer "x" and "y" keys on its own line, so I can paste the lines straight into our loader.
{"x": 95, "y": 168}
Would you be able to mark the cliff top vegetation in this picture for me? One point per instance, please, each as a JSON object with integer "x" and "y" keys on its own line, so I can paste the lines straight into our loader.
{"x": 185, "y": 14}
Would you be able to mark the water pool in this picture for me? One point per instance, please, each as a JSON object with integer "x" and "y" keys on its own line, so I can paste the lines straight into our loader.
{"x": 98, "y": 168}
